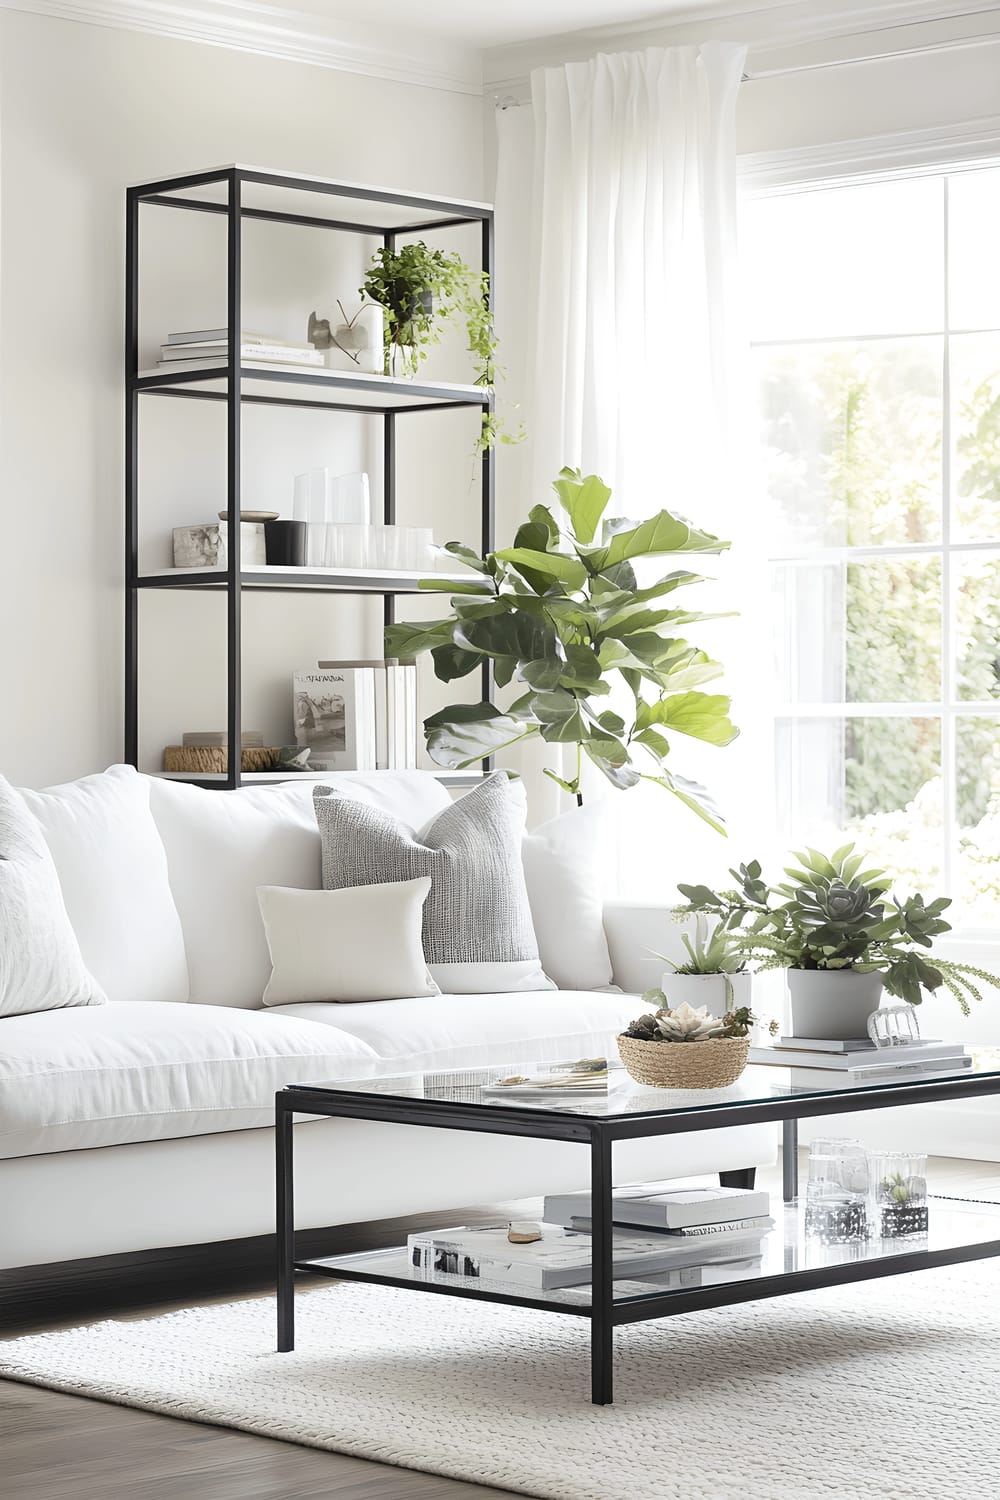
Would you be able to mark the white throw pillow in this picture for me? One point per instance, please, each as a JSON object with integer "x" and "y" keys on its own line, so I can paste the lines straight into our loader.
{"x": 41, "y": 967}
{"x": 112, "y": 868}
{"x": 362, "y": 943}
{"x": 565, "y": 868}
{"x": 222, "y": 845}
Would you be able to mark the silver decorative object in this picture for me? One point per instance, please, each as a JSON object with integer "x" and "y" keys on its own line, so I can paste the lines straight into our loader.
{"x": 894, "y": 1026}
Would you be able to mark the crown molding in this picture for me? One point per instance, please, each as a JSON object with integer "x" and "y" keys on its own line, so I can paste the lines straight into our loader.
{"x": 273, "y": 31}
{"x": 965, "y": 146}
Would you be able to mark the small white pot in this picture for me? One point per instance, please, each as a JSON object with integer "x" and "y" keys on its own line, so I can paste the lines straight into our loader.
{"x": 833, "y": 1004}
{"x": 720, "y": 992}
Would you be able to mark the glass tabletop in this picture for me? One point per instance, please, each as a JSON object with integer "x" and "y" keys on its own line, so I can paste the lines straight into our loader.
{"x": 611, "y": 1094}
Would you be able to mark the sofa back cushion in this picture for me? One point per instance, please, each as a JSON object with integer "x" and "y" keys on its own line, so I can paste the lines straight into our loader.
{"x": 113, "y": 873}
{"x": 220, "y": 846}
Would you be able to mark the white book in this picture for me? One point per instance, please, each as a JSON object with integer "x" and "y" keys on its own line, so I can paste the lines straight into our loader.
{"x": 217, "y": 336}
{"x": 715, "y": 1234}
{"x": 560, "y": 1258}
{"x": 272, "y": 353}
{"x": 833, "y": 1078}
{"x": 717, "y": 1273}
{"x": 910, "y": 1055}
{"x": 334, "y": 714}
{"x": 663, "y": 1206}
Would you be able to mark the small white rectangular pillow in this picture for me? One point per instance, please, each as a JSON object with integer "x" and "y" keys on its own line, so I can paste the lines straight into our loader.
{"x": 358, "y": 943}
{"x": 41, "y": 966}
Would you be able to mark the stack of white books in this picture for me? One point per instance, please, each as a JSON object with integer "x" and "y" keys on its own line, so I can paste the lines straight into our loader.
{"x": 561, "y": 1258}
{"x": 205, "y": 348}
{"x": 713, "y": 1223}
{"x": 817, "y": 1063}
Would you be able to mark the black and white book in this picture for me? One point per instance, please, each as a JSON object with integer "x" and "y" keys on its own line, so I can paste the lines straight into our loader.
{"x": 395, "y": 711}
{"x": 559, "y": 1259}
{"x": 852, "y": 1078}
{"x": 185, "y": 356}
{"x": 660, "y": 1205}
{"x": 334, "y": 716}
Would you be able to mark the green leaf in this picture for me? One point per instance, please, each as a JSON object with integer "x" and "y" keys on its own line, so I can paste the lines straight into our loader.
{"x": 410, "y": 638}
{"x": 449, "y": 586}
{"x": 584, "y": 501}
{"x": 607, "y": 756}
{"x": 467, "y": 732}
{"x": 662, "y": 533}
{"x": 582, "y": 669}
{"x": 568, "y": 570}
{"x": 542, "y": 516}
{"x": 559, "y": 716}
{"x": 612, "y": 722}
{"x": 693, "y": 795}
{"x": 451, "y": 662}
{"x": 509, "y": 633}
{"x": 543, "y": 674}
{"x": 465, "y": 554}
{"x": 704, "y": 716}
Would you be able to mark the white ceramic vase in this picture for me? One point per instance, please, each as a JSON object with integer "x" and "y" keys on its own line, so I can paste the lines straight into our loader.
{"x": 720, "y": 992}
{"x": 833, "y": 1004}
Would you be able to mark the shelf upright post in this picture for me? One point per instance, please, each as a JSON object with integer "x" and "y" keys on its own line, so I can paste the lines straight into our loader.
{"x": 131, "y": 705}
{"x": 488, "y": 478}
{"x": 234, "y": 600}
{"x": 388, "y": 478}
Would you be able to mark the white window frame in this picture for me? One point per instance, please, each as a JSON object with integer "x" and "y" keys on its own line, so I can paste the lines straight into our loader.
{"x": 894, "y": 158}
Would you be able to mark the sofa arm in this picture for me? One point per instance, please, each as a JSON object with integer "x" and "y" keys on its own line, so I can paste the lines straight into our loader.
{"x": 638, "y": 932}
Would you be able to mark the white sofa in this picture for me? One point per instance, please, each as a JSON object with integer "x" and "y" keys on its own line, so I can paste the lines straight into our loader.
{"x": 145, "y": 1123}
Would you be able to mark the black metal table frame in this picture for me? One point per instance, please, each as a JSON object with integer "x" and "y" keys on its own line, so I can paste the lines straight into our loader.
{"x": 600, "y": 1134}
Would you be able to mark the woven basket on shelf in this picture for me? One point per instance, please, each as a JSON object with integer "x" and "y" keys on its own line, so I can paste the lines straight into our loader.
{"x": 685, "y": 1065}
{"x": 211, "y": 759}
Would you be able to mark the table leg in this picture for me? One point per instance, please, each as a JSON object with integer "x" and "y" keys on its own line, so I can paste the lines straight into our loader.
{"x": 790, "y": 1160}
{"x": 602, "y": 1283}
{"x": 285, "y": 1226}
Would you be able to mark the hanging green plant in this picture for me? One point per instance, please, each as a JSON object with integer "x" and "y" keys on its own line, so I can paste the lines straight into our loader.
{"x": 563, "y": 614}
{"x": 421, "y": 290}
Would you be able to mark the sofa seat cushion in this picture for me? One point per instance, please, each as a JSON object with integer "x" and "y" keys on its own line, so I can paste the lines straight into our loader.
{"x": 149, "y": 1070}
{"x": 469, "y": 1031}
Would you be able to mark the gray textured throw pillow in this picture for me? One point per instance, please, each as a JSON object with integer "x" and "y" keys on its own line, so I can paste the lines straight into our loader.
{"x": 477, "y": 933}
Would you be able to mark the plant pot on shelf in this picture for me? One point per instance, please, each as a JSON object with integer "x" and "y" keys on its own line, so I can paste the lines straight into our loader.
{"x": 685, "y": 1065}
{"x": 833, "y": 1004}
{"x": 719, "y": 992}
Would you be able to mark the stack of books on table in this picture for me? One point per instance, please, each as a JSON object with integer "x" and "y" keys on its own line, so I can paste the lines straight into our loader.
{"x": 696, "y": 1252}
{"x": 819, "y": 1064}
{"x": 206, "y": 348}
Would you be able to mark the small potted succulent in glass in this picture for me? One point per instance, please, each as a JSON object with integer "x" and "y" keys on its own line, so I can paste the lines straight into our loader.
{"x": 714, "y": 974}
{"x": 899, "y": 1187}
{"x": 685, "y": 1048}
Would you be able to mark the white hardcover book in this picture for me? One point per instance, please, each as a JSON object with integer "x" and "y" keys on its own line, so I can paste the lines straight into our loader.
{"x": 333, "y": 712}
{"x": 399, "y": 698}
{"x": 215, "y": 336}
{"x": 715, "y": 1274}
{"x": 834, "y": 1078}
{"x": 270, "y": 353}
{"x": 716, "y": 1234}
{"x": 412, "y": 716}
{"x": 662, "y": 1206}
{"x": 381, "y": 718}
{"x": 910, "y": 1055}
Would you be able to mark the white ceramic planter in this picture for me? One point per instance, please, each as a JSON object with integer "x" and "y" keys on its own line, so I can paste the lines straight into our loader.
{"x": 832, "y": 1003}
{"x": 707, "y": 989}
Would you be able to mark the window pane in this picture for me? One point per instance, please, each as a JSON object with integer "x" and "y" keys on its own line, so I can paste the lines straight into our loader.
{"x": 874, "y": 780}
{"x": 973, "y": 235}
{"x": 976, "y": 884}
{"x": 860, "y": 632}
{"x": 838, "y": 262}
{"x": 977, "y": 627}
{"x": 851, "y": 435}
{"x": 975, "y": 404}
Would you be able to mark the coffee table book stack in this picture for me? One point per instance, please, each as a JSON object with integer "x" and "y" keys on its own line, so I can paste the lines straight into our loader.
{"x": 660, "y": 1233}
{"x": 833, "y": 1064}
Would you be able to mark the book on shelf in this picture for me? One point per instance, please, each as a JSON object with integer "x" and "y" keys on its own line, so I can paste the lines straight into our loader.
{"x": 560, "y": 1258}
{"x": 879, "y": 1060}
{"x": 218, "y": 739}
{"x": 219, "y": 336}
{"x": 853, "y": 1078}
{"x": 190, "y": 355}
{"x": 715, "y": 1234}
{"x": 395, "y": 707}
{"x": 791, "y": 1053}
{"x": 660, "y": 1205}
{"x": 334, "y": 717}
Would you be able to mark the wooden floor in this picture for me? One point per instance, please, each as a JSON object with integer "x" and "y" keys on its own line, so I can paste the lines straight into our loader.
{"x": 56, "y": 1447}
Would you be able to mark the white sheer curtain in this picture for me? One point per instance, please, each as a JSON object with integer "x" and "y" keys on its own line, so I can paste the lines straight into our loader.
{"x": 616, "y": 227}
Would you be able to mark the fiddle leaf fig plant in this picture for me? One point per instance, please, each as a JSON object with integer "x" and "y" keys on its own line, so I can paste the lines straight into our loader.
{"x": 561, "y": 614}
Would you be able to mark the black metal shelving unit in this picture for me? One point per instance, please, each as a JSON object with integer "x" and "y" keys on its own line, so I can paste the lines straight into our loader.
{"x": 379, "y": 214}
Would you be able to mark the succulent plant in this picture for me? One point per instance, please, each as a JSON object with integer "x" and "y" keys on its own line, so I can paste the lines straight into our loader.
{"x": 687, "y": 1024}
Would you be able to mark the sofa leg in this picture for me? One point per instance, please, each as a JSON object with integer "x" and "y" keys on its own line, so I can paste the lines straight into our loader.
{"x": 742, "y": 1177}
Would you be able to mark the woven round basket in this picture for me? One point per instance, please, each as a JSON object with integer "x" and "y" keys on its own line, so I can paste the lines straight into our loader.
{"x": 685, "y": 1065}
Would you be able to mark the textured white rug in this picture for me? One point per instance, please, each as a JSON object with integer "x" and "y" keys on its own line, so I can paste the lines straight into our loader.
{"x": 886, "y": 1389}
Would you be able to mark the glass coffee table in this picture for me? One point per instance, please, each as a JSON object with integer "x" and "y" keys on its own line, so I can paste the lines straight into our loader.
{"x": 791, "y": 1260}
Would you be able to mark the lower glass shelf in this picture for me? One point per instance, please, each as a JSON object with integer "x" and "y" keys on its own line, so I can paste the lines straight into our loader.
{"x": 788, "y": 1260}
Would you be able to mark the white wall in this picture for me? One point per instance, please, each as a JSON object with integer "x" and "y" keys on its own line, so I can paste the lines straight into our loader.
{"x": 84, "y": 110}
